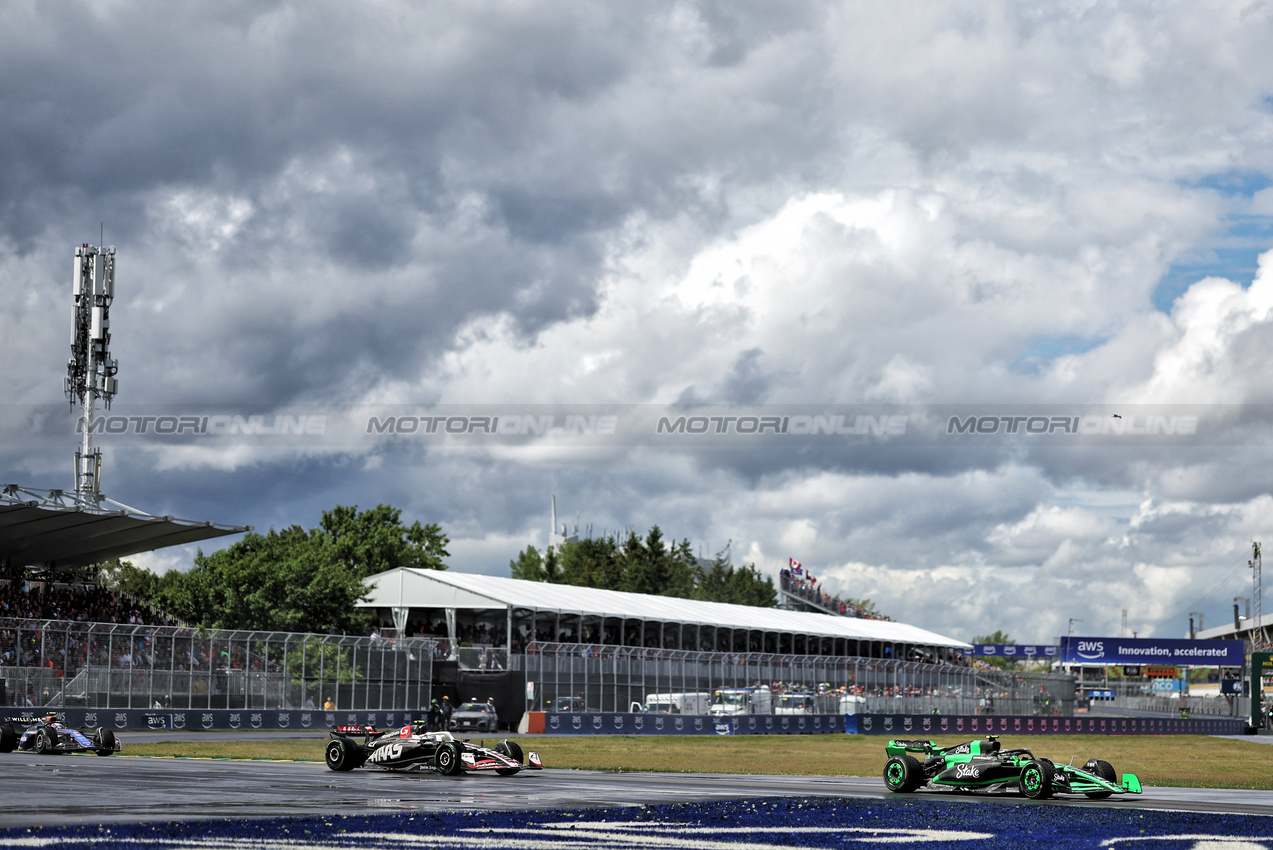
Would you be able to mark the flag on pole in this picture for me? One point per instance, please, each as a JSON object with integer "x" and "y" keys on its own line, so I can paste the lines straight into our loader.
{"x": 795, "y": 567}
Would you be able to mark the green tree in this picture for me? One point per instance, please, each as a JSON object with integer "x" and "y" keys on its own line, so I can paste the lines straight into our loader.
{"x": 288, "y": 581}
{"x": 528, "y": 566}
{"x": 683, "y": 571}
{"x": 998, "y": 637}
{"x": 375, "y": 541}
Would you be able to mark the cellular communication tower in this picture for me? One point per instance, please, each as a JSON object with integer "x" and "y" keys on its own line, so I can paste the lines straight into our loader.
{"x": 90, "y": 373}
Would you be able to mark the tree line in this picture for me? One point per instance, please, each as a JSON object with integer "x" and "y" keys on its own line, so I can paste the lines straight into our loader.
{"x": 650, "y": 566}
{"x": 294, "y": 580}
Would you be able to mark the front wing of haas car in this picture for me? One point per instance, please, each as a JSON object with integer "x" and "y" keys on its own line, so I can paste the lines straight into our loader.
{"x": 413, "y": 748}
{"x": 986, "y": 766}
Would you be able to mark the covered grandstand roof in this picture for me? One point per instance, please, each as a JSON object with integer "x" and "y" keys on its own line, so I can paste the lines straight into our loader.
{"x": 416, "y": 588}
{"x": 48, "y": 528}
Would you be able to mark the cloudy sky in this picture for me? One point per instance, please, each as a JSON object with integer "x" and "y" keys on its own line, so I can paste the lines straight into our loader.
{"x": 909, "y": 208}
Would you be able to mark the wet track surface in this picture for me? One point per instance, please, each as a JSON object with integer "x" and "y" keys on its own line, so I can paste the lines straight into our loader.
{"x": 45, "y": 790}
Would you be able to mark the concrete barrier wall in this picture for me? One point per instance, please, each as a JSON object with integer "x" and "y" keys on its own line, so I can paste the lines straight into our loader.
{"x": 137, "y": 719}
{"x": 911, "y": 725}
{"x": 599, "y": 723}
{"x": 617, "y": 723}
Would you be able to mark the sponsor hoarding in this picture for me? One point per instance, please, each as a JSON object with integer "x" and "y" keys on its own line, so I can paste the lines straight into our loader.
{"x": 1015, "y": 651}
{"x": 1100, "y": 651}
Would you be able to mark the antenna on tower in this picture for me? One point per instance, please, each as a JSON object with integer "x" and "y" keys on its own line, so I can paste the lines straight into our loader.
{"x": 1257, "y": 631}
{"x": 90, "y": 372}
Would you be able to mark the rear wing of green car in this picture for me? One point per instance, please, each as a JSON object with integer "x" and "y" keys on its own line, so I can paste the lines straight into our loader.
{"x": 896, "y": 748}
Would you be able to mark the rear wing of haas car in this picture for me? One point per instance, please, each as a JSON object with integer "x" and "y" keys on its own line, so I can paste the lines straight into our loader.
{"x": 356, "y": 730}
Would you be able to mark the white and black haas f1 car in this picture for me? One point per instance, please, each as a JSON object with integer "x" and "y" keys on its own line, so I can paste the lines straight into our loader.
{"x": 49, "y": 735}
{"x": 414, "y": 748}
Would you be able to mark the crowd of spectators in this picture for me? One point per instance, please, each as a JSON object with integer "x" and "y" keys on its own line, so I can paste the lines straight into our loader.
{"x": 808, "y": 590}
{"x": 75, "y": 603}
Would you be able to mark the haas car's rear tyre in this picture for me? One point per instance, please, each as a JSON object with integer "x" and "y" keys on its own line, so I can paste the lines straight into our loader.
{"x": 903, "y": 774}
{"x": 513, "y": 751}
{"x": 447, "y": 759}
{"x": 44, "y": 741}
{"x": 1036, "y": 779}
{"x": 105, "y": 742}
{"x": 8, "y": 738}
{"x": 341, "y": 754}
{"x": 1105, "y": 771}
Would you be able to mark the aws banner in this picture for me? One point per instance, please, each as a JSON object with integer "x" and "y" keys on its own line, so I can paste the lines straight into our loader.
{"x": 1015, "y": 651}
{"x": 910, "y": 725}
{"x": 1107, "y": 650}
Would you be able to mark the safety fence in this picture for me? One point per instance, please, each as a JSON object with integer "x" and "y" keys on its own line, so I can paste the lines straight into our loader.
{"x": 58, "y": 663}
{"x": 590, "y": 677}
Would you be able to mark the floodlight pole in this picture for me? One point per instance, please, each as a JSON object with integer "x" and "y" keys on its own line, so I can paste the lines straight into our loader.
{"x": 1257, "y": 632}
{"x": 90, "y": 372}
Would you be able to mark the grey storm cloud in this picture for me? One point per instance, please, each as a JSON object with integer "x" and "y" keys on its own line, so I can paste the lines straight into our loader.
{"x": 676, "y": 203}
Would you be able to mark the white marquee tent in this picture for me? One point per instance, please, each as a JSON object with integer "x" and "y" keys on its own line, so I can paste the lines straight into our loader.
{"x": 564, "y": 613}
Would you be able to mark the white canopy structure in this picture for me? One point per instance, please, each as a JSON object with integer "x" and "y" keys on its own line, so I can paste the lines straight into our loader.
{"x": 509, "y": 612}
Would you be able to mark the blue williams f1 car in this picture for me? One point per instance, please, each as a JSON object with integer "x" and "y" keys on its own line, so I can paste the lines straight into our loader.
{"x": 49, "y": 735}
{"x": 985, "y": 766}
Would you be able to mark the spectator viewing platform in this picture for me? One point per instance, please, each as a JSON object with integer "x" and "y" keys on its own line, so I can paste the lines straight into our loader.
{"x": 513, "y": 614}
{"x": 798, "y": 591}
{"x": 49, "y": 529}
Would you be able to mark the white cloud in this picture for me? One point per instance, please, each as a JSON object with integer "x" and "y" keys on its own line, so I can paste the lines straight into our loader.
{"x": 823, "y": 202}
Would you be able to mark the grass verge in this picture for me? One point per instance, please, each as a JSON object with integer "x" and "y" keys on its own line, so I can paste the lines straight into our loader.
{"x": 1191, "y": 761}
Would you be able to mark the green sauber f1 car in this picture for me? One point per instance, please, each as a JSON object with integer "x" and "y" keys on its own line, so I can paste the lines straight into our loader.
{"x": 986, "y": 766}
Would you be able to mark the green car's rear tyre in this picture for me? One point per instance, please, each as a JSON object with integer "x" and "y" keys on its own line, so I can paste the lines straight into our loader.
{"x": 1105, "y": 771}
{"x": 903, "y": 774}
{"x": 1036, "y": 779}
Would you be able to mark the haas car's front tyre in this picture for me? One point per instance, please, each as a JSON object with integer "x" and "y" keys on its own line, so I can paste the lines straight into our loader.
{"x": 1036, "y": 779}
{"x": 903, "y": 774}
{"x": 8, "y": 738}
{"x": 105, "y": 742}
{"x": 447, "y": 759}
{"x": 514, "y": 751}
{"x": 1105, "y": 771}
{"x": 342, "y": 755}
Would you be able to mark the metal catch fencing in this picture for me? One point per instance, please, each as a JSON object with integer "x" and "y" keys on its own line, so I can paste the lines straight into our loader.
{"x": 590, "y": 677}
{"x": 57, "y": 663}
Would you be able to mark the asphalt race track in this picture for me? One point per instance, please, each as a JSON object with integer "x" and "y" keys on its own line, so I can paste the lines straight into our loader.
{"x": 43, "y": 790}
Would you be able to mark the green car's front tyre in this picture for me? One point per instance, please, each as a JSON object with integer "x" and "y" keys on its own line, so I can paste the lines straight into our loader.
{"x": 1036, "y": 779}
{"x": 903, "y": 774}
{"x": 1105, "y": 771}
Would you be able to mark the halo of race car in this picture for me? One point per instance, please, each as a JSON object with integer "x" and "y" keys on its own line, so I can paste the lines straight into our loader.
{"x": 48, "y": 734}
{"x": 986, "y": 766}
{"x": 415, "y": 748}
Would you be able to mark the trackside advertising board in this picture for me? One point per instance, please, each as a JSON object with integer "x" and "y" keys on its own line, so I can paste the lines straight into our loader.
{"x": 1016, "y": 651}
{"x": 913, "y": 725}
{"x": 1178, "y": 651}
